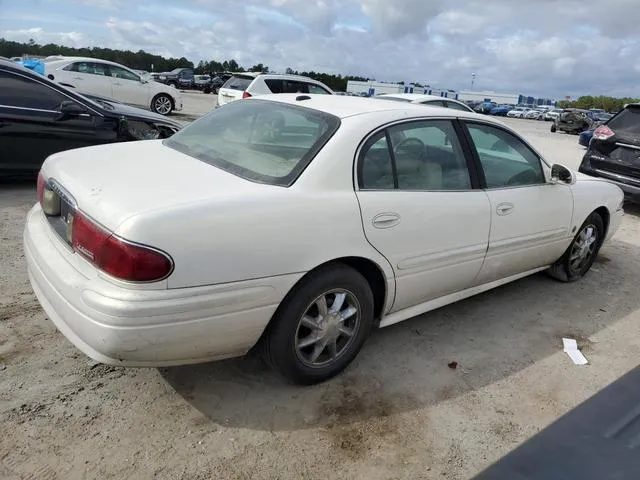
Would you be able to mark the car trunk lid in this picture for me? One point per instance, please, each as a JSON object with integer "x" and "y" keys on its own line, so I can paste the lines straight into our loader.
{"x": 234, "y": 89}
{"x": 111, "y": 183}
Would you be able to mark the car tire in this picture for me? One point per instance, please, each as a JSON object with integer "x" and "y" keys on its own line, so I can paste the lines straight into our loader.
{"x": 299, "y": 339}
{"x": 553, "y": 128}
{"x": 162, "y": 104}
{"x": 173, "y": 84}
{"x": 579, "y": 257}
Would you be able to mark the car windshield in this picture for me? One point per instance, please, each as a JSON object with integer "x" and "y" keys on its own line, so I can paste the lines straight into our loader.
{"x": 262, "y": 141}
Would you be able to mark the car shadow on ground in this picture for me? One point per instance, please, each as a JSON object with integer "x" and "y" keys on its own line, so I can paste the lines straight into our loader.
{"x": 410, "y": 365}
{"x": 632, "y": 209}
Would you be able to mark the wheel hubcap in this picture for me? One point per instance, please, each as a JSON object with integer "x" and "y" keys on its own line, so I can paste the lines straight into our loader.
{"x": 327, "y": 328}
{"x": 163, "y": 105}
{"x": 584, "y": 247}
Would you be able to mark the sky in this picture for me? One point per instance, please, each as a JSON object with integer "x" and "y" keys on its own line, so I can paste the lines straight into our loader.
{"x": 548, "y": 48}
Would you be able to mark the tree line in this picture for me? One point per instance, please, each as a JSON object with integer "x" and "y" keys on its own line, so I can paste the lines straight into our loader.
{"x": 142, "y": 60}
{"x": 609, "y": 104}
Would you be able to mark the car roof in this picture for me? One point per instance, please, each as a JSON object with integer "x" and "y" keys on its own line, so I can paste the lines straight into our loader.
{"x": 347, "y": 106}
{"x": 62, "y": 59}
{"x": 284, "y": 76}
{"x": 412, "y": 96}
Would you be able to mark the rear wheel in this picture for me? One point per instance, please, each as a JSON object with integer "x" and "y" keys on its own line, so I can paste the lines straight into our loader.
{"x": 162, "y": 104}
{"x": 320, "y": 326}
{"x": 579, "y": 257}
{"x": 553, "y": 128}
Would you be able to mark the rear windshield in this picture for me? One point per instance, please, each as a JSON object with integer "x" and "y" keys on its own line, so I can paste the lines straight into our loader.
{"x": 395, "y": 99}
{"x": 627, "y": 120}
{"x": 263, "y": 141}
{"x": 238, "y": 83}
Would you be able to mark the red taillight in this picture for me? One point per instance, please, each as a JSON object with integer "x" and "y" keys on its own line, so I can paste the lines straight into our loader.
{"x": 115, "y": 256}
{"x": 40, "y": 187}
{"x": 603, "y": 133}
{"x": 246, "y": 94}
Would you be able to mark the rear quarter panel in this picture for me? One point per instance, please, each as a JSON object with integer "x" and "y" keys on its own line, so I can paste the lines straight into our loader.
{"x": 590, "y": 194}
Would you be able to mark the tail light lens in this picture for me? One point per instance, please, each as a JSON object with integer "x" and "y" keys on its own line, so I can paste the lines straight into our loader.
{"x": 117, "y": 257}
{"x": 246, "y": 94}
{"x": 603, "y": 133}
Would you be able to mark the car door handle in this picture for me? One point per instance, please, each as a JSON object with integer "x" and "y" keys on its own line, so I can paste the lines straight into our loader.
{"x": 386, "y": 220}
{"x": 504, "y": 208}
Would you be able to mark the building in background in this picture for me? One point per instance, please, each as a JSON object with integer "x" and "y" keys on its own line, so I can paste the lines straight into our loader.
{"x": 372, "y": 87}
{"x": 502, "y": 98}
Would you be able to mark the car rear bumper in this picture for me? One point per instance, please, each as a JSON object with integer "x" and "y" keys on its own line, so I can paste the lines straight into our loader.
{"x": 129, "y": 326}
{"x": 630, "y": 186}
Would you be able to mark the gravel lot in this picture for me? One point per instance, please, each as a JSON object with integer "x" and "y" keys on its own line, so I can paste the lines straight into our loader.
{"x": 398, "y": 412}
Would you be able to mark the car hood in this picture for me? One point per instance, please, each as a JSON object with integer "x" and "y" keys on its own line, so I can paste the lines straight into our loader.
{"x": 112, "y": 183}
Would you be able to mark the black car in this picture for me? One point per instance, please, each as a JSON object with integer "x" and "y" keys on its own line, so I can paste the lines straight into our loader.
{"x": 39, "y": 118}
{"x": 217, "y": 81}
{"x": 614, "y": 152}
{"x": 178, "y": 78}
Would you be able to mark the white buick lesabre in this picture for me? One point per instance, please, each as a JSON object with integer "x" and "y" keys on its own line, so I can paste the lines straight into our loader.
{"x": 298, "y": 223}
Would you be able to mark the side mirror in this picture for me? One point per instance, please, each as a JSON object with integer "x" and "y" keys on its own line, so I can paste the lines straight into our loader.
{"x": 561, "y": 174}
{"x": 69, "y": 108}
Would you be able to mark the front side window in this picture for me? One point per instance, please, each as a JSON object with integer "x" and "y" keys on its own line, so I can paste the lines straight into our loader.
{"x": 262, "y": 141}
{"x": 117, "y": 72}
{"x": 274, "y": 84}
{"x": 424, "y": 155}
{"x": 23, "y": 92}
{"x": 506, "y": 160}
{"x": 313, "y": 88}
{"x": 291, "y": 86}
{"x": 92, "y": 68}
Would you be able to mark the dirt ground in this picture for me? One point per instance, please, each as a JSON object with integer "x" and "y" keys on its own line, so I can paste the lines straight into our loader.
{"x": 399, "y": 412}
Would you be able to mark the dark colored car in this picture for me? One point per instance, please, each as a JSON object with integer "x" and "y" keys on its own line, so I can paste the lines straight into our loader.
{"x": 39, "y": 117}
{"x": 178, "y": 78}
{"x": 575, "y": 121}
{"x": 614, "y": 152}
{"x": 585, "y": 137}
{"x": 217, "y": 82}
{"x": 501, "y": 110}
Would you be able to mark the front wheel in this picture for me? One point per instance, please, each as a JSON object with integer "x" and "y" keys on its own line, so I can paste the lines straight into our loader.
{"x": 579, "y": 257}
{"x": 320, "y": 326}
{"x": 162, "y": 104}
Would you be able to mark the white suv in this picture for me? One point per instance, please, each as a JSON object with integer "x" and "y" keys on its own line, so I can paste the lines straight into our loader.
{"x": 111, "y": 80}
{"x": 250, "y": 84}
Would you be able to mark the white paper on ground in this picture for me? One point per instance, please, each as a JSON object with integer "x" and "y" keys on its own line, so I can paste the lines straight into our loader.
{"x": 571, "y": 349}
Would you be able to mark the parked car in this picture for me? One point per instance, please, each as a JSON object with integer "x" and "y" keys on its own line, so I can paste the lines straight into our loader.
{"x": 501, "y": 110}
{"x": 39, "y": 117}
{"x": 585, "y": 137}
{"x": 534, "y": 114}
{"x": 256, "y": 225}
{"x": 516, "y": 112}
{"x": 183, "y": 78}
{"x": 428, "y": 100}
{"x": 251, "y": 84}
{"x": 108, "y": 79}
{"x": 218, "y": 81}
{"x": 485, "y": 107}
{"x": 573, "y": 121}
{"x": 202, "y": 82}
{"x": 614, "y": 152}
{"x": 551, "y": 115}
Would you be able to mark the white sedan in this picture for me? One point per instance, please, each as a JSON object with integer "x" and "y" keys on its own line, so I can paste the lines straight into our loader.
{"x": 111, "y": 80}
{"x": 298, "y": 223}
{"x": 427, "y": 100}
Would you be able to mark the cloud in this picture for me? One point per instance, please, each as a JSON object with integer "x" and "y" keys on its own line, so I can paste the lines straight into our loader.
{"x": 542, "y": 47}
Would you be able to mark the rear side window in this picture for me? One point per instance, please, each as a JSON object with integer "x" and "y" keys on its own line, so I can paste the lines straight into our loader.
{"x": 238, "y": 83}
{"x": 92, "y": 68}
{"x": 291, "y": 86}
{"x": 274, "y": 84}
{"x": 627, "y": 120}
{"x": 22, "y": 92}
{"x": 317, "y": 89}
{"x": 262, "y": 141}
{"x": 457, "y": 106}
